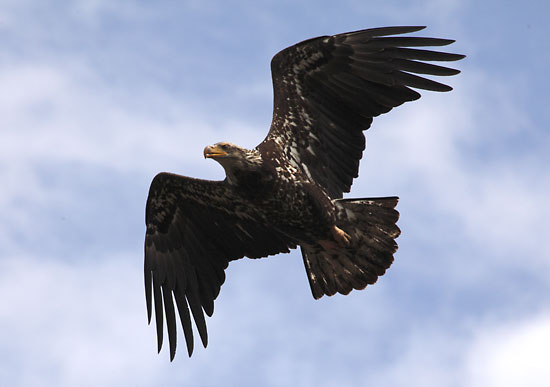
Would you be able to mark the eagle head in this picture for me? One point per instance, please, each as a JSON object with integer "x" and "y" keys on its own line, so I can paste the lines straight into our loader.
{"x": 234, "y": 158}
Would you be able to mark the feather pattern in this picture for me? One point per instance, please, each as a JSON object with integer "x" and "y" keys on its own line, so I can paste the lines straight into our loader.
{"x": 328, "y": 89}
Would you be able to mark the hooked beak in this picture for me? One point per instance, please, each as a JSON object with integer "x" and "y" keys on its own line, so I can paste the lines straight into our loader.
{"x": 213, "y": 151}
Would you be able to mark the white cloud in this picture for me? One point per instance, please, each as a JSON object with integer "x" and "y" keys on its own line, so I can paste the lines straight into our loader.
{"x": 498, "y": 354}
{"x": 511, "y": 354}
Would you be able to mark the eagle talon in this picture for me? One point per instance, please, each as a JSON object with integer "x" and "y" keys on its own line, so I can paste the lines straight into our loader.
{"x": 340, "y": 239}
{"x": 340, "y": 236}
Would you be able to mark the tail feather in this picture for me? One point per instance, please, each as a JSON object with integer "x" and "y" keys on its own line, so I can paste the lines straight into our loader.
{"x": 370, "y": 223}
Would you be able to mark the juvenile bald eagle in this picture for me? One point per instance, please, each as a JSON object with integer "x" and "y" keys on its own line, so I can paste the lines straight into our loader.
{"x": 287, "y": 192}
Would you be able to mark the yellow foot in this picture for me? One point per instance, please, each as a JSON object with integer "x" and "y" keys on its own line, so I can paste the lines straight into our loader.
{"x": 340, "y": 239}
{"x": 340, "y": 236}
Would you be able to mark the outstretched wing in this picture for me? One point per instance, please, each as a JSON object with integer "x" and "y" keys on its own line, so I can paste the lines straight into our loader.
{"x": 328, "y": 89}
{"x": 194, "y": 228}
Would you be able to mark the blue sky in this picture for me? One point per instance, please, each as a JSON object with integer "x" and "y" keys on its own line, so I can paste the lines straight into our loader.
{"x": 98, "y": 96}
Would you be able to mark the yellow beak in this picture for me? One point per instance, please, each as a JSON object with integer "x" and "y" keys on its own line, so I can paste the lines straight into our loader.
{"x": 213, "y": 151}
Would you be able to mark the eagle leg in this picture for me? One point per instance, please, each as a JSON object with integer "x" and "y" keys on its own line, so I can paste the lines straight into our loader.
{"x": 340, "y": 236}
{"x": 340, "y": 239}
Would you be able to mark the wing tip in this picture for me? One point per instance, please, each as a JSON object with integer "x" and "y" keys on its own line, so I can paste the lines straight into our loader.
{"x": 404, "y": 29}
{"x": 204, "y": 339}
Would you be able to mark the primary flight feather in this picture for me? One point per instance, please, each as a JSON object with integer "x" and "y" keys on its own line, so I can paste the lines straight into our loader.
{"x": 287, "y": 192}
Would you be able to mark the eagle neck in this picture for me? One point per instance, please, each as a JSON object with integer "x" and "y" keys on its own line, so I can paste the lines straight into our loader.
{"x": 242, "y": 170}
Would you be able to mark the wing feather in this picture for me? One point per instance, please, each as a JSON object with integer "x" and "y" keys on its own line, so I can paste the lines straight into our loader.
{"x": 185, "y": 317}
{"x": 170, "y": 317}
{"x": 194, "y": 228}
{"x": 328, "y": 89}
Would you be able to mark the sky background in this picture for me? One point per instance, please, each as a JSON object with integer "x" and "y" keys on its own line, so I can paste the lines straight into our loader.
{"x": 98, "y": 96}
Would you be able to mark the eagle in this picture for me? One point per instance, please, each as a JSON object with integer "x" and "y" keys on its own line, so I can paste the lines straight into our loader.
{"x": 288, "y": 190}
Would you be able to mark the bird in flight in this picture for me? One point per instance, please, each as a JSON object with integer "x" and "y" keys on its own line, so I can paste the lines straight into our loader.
{"x": 287, "y": 191}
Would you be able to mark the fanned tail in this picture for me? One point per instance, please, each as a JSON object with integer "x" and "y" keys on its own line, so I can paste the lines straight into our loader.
{"x": 370, "y": 223}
